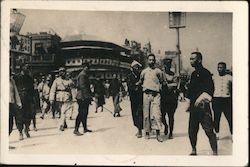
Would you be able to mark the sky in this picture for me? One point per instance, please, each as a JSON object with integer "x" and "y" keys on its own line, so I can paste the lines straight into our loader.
{"x": 210, "y": 33}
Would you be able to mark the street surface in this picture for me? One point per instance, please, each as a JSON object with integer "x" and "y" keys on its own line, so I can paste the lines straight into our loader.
{"x": 114, "y": 136}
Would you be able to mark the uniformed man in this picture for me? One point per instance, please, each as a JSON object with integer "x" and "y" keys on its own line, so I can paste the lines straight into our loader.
{"x": 61, "y": 92}
{"x": 84, "y": 98}
{"x": 169, "y": 98}
{"x": 200, "y": 93}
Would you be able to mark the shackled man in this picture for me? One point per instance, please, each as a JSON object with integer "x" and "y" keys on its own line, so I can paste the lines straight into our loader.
{"x": 136, "y": 96}
{"x": 61, "y": 91}
{"x": 222, "y": 101}
{"x": 84, "y": 98}
{"x": 200, "y": 94}
{"x": 169, "y": 98}
{"x": 152, "y": 80}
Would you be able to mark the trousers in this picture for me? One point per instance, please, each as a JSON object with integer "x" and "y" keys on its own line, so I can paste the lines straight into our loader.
{"x": 137, "y": 110}
{"x": 203, "y": 117}
{"x": 151, "y": 112}
{"x": 83, "y": 110}
{"x": 116, "y": 102}
{"x": 222, "y": 105}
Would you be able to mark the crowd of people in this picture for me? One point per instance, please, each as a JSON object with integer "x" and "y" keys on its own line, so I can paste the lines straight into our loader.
{"x": 153, "y": 94}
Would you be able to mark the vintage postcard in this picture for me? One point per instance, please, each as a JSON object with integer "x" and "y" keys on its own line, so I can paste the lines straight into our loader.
{"x": 138, "y": 83}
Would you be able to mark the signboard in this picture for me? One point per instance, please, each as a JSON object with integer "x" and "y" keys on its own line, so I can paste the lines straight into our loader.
{"x": 20, "y": 44}
{"x": 177, "y": 20}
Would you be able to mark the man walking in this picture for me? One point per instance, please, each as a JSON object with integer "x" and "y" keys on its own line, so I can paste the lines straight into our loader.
{"x": 222, "y": 101}
{"x": 61, "y": 91}
{"x": 84, "y": 98}
{"x": 152, "y": 80}
{"x": 200, "y": 93}
{"x": 169, "y": 98}
{"x": 115, "y": 90}
{"x": 136, "y": 96}
{"x": 25, "y": 87}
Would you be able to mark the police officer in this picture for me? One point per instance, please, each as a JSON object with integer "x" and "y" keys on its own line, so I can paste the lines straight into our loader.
{"x": 169, "y": 97}
{"x": 61, "y": 92}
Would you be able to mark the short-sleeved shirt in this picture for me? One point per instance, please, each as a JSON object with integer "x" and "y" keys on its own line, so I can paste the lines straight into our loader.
{"x": 222, "y": 85}
{"x": 152, "y": 79}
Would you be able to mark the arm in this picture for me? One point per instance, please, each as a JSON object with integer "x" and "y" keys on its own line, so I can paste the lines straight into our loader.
{"x": 17, "y": 97}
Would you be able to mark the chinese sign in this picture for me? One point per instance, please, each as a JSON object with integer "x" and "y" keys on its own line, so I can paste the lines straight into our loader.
{"x": 21, "y": 44}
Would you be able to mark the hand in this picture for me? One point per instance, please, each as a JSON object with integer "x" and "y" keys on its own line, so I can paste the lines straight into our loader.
{"x": 19, "y": 106}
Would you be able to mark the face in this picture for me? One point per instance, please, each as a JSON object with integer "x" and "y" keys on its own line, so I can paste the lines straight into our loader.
{"x": 194, "y": 61}
{"x": 62, "y": 73}
{"x": 221, "y": 69}
{"x": 151, "y": 61}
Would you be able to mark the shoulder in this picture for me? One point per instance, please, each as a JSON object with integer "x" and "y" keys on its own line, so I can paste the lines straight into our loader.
{"x": 205, "y": 72}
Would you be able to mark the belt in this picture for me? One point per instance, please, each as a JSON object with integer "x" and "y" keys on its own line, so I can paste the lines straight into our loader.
{"x": 152, "y": 92}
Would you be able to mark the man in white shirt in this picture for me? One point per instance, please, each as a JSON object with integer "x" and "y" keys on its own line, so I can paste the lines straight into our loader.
{"x": 152, "y": 79}
{"x": 222, "y": 101}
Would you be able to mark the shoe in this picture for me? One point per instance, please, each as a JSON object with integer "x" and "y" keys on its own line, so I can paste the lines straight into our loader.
{"x": 87, "y": 130}
{"x": 159, "y": 138}
{"x": 193, "y": 152}
{"x": 41, "y": 117}
{"x": 35, "y": 129}
{"x": 118, "y": 115}
{"x": 147, "y": 136}
{"x": 61, "y": 128}
{"x": 215, "y": 153}
{"x": 53, "y": 117}
{"x": 139, "y": 135}
{"x": 70, "y": 118}
{"x": 27, "y": 134}
{"x": 170, "y": 136}
{"x": 114, "y": 114}
{"x": 21, "y": 136}
{"x": 65, "y": 125}
{"x": 95, "y": 111}
{"x": 77, "y": 133}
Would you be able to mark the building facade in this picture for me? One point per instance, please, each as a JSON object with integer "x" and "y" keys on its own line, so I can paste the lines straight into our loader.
{"x": 105, "y": 58}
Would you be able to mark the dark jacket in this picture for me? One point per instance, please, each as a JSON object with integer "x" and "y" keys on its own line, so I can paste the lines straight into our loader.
{"x": 135, "y": 91}
{"x": 83, "y": 86}
{"x": 115, "y": 87}
{"x": 201, "y": 81}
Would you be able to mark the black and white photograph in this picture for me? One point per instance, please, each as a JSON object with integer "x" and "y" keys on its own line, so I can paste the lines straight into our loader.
{"x": 146, "y": 83}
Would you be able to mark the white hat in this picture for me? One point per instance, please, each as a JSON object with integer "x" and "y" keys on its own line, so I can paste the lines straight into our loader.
{"x": 135, "y": 63}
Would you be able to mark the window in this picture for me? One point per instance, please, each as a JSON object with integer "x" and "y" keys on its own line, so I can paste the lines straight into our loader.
{"x": 73, "y": 61}
{"x": 78, "y": 61}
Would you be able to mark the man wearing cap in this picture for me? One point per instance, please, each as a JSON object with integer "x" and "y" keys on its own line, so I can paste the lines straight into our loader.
{"x": 152, "y": 80}
{"x": 84, "y": 98}
{"x": 169, "y": 97}
{"x": 61, "y": 92}
{"x": 136, "y": 96}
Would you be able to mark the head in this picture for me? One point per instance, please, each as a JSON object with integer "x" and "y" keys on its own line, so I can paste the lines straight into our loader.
{"x": 48, "y": 79}
{"x": 56, "y": 75}
{"x": 222, "y": 68}
{"x": 136, "y": 67}
{"x": 25, "y": 69}
{"x": 85, "y": 67}
{"x": 196, "y": 59}
{"x": 43, "y": 78}
{"x": 151, "y": 60}
{"x": 62, "y": 72}
{"x": 167, "y": 63}
{"x": 114, "y": 76}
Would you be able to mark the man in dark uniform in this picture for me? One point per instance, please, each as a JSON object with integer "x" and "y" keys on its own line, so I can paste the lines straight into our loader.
{"x": 169, "y": 98}
{"x": 84, "y": 98}
{"x": 200, "y": 94}
{"x": 25, "y": 87}
{"x": 99, "y": 92}
{"x": 136, "y": 96}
